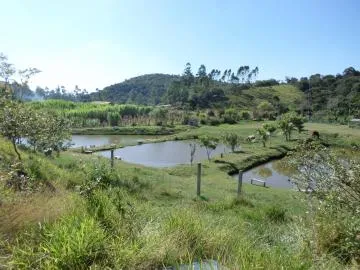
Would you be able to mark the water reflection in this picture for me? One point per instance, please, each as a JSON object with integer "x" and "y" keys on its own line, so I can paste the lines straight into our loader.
{"x": 164, "y": 154}
{"x": 274, "y": 173}
{"x": 99, "y": 140}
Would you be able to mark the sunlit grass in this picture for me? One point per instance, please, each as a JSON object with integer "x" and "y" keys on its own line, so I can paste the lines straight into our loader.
{"x": 147, "y": 218}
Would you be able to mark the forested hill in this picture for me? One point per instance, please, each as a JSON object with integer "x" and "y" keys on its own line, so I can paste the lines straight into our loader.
{"x": 146, "y": 89}
{"x": 325, "y": 97}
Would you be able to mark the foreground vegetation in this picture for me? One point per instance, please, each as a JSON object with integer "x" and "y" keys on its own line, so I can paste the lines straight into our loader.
{"x": 135, "y": 217}
{"x": 76, "y": 212}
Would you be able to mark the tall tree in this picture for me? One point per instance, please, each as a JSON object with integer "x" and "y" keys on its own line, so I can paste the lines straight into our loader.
{"x": 223, "y": 77}
{"x": 188, "y": 77}
{"x": 202, "y": 77}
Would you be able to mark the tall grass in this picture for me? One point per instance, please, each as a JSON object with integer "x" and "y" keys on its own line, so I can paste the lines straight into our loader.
{"x": 74, "y": 242}
{"x": 87, "y": 114}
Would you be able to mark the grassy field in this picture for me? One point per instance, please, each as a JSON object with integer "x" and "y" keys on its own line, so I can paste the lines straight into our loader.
{"x": 288, "y": 94}
{"x": 249, "y": 98}
{"x": 134, "y": 217}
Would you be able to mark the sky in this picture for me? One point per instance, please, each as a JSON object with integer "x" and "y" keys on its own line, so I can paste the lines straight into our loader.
{"x": 94, "y": 44}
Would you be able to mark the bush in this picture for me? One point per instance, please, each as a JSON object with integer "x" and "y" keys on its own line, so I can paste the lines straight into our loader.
{"x": 194, "y": 122}
{"x": 210, "y": 113}
{"x": 98, "y": 176}
{"x": 231, "y": 116}
{"x": 245, "y": 115}
{"x": 203, "y": 121}
{"x": 213, "y": 121}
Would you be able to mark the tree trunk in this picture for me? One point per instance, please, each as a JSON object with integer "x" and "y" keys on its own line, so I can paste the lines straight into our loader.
{"x": 15, "y": 149}
{"x": 208, "y": 153}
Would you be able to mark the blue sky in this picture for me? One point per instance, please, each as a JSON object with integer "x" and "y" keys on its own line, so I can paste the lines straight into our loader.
{"x": 97, "y": 43}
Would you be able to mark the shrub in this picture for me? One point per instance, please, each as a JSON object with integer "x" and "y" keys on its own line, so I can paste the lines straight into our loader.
{"x": 98, "y": 176}
{"x": 203, "y": 121}
{"x": 232, "y": 140}
{"x": 245, "y": 115}
{"x": 210, "y": 113}
{"x": 194, "y": 122}
{"x": 213, "y": 121}
{"x": 271, "y": 128}
{"x": 231, "y": 116}
{"x": 315, "y": 134}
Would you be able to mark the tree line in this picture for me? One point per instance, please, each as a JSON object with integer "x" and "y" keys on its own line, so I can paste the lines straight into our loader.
{"x": 204, "y": 90}
{"x": 334, "y": 98}
{"x": 331, "y": 97}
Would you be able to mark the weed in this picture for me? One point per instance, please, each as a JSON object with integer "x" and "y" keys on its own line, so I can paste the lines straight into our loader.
{"x": 276, "y": 214}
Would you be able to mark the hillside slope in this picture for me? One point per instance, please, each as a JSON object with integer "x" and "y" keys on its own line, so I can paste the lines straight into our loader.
{"x": 151, "y": 89}
{"x": 146, "y": 89}
{"x": 288, "y": 95}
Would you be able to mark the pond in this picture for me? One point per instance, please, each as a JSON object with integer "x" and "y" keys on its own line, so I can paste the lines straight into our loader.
{"x": 163, "y": 154}
{"x": 99, "y": 140}
{"x": 273, "y": 173}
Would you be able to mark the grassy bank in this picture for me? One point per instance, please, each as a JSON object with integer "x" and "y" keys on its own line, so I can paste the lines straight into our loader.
{"x": 253, "y": 154}
{"x": 90, "y": 150}
{"x": 135, "y": 217}
{"x": 130, "y": 130}
{"x": 144, "y": 218}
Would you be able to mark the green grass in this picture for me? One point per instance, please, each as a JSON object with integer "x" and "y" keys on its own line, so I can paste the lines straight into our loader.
{"x": 288, "y": 94}
{"x": 129, "y": 130}
{"x": 250, "y": 98}
{"x": 144, "y": 218}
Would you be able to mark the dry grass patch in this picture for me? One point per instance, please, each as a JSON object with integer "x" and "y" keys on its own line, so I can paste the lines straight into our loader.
{"x": 32, "y": 209}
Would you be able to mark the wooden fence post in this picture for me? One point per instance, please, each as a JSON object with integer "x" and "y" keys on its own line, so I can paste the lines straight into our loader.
{"x": 198, "y": 179}
{"x": 112, "y": 158}
{"x": 240, "y": 180}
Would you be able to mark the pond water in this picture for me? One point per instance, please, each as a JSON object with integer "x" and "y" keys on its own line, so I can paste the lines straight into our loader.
{"x": 272, "y": 173}
{"x": 99, "y": 140}
{"x": 163, "y": 154}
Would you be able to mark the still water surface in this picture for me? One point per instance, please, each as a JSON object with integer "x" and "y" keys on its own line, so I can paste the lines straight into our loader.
{"x": 99, "y": 140}
{"x": 272, "y": 173}
{"x": 172, "y": 153}
{"x": 163, "y": 154}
